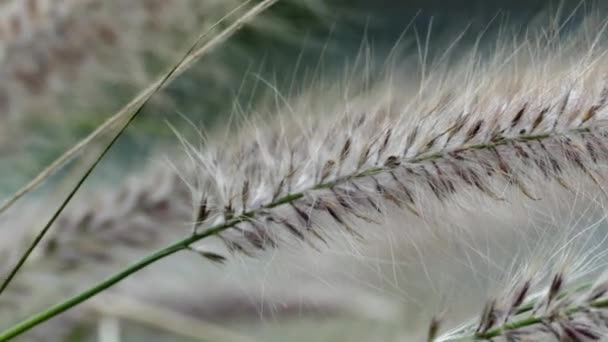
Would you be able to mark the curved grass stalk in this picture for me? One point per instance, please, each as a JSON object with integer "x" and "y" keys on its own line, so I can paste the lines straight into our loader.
{"x": 137, "y": 102}
{"x": 130, "y": 112}
{"x": 525, "y": 143}
{"x": 249, "y": 216}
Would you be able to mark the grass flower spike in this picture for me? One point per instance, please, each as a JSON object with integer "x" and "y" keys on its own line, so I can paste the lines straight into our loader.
{"x": 499, "y": 129}
{"x": 503, "y": 127}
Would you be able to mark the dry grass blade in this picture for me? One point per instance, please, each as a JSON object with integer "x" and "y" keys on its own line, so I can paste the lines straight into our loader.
{"x": 140, "y": 99}
{"x": 129, "y": 113}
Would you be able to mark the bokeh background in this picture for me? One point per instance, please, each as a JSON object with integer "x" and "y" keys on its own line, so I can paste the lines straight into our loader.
{"x": 66, "y": 66}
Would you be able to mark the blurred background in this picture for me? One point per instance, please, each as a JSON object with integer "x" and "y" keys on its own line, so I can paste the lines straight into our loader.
{"x": 68, "y": 65}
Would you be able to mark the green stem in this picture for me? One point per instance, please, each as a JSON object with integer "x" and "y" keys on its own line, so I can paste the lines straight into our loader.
{"x": 137, "y": 110}
{"x": 62, "y": 307}
{"x": 175, "y": 247}
{"x": 289, "y": 198}
{"x": 183, "y": 244}
{"x": 526, "y": 322}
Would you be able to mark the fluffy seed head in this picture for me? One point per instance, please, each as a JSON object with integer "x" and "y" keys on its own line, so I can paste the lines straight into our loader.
{"x": 493, "y": 129}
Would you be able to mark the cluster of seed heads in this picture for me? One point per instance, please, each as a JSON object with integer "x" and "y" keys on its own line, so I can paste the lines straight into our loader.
{"x": 501, "y": 129}
{"x": 505, "y": 131}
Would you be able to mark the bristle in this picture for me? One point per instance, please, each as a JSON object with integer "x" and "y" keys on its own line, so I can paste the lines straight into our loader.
{"x": 571, "y": 314}
{"x": 329, "y": 173}
{"x": 486, "y": 141}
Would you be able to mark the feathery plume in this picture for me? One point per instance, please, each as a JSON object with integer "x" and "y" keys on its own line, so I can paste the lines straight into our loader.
{"x": 559, "y": 312}
{"x": 502, "y": 129}
{"x": 498, "y": 129}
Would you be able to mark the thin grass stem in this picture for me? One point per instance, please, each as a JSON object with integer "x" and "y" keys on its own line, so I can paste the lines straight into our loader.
{"x": 185, "y": 244}
{"x": 141, "y": 98}
{"x": 192, "y": 53}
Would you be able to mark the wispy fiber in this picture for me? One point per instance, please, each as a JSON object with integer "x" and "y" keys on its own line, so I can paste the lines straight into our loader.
{"x": 501, "y": 129}
{"x": 558, "y": 312}
{"x": 530, "y": 116}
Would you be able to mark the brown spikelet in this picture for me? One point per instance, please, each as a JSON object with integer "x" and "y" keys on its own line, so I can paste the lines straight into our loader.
{"x": 203, "y": 212}
{"x": 555, "y": 288}
{"x": 330, "y": 209}
{"x": 508, "y": 174}
{"x": 592, "y": 111}
{"x": 392, "y": 162}
{"x": 279, "y": 190}
{"x": 488, "y": 318}
{"x": 456, "y": 128}
{"x": 290, "y": 227}
{"x": 345, "y": 150}
{"x": 369, "y": 200}
{"x": 410, "y": 140}
{"x": 364, "y": 156}
{"x": 327, "y": 170}
{"x": 433, "y": 329}
{"x": 306, "y": 220}
{"x": 518, "y": 298}
{"x": 518, "y": 116}
{"x": 213, "y": 257}
{"x": 473, "y": 131}
{"x": 245, "y": 195}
